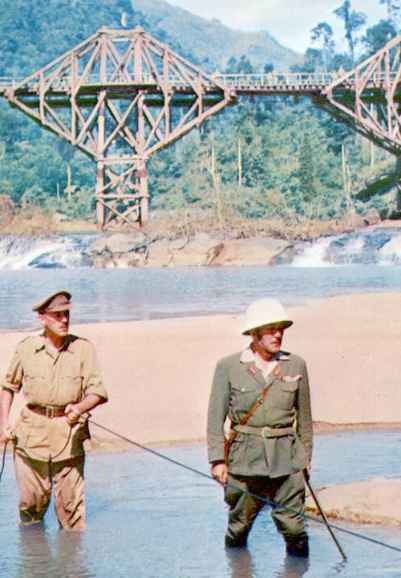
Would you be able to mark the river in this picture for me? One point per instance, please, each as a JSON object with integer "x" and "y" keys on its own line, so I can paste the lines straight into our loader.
{"x": 366, "y": 261}
{"x": 148, "y": 518}
{"x": 128, "y": 294}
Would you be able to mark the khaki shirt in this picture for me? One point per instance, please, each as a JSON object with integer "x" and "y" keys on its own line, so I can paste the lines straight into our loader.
{"x": 236, "y": 386}
{"x": 57, "y": 378}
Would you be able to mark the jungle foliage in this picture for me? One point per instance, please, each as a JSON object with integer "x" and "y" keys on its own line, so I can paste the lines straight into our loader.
{"x": 264, "y": 157}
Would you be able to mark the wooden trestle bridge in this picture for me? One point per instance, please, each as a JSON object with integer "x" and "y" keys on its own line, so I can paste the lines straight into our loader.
{"x": 121, "y": 95}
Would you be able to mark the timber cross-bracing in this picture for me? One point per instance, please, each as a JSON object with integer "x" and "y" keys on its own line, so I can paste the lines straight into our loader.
{"x": 121, "y": 95}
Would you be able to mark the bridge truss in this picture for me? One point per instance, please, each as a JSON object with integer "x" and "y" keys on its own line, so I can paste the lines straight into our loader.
{"x": 121, "y": 95}
{"x": 369, "y": 97}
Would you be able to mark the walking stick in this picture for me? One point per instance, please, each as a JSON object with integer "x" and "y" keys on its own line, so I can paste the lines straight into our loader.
{"x": 319, "y": 507}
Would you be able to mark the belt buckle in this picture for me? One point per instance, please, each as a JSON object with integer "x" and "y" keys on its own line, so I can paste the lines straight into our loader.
{"x": 50, "y": 412}
{"x": 265, "y": 431}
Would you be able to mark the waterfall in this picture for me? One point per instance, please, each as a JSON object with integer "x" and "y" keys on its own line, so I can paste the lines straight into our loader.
{"x": 381, "y": 246}
{"x": 390, "y": 253}
{"x": 20, "y": 252}
{"x": 313, "y": 254}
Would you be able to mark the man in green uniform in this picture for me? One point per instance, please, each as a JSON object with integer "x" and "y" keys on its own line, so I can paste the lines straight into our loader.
{"x": 61, "y": 382}
{"x": 264, "y": 391}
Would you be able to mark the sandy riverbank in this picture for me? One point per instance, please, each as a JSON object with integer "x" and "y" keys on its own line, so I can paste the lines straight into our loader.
{"x": 158, "y": 372}
{"x": 375, "y": 501}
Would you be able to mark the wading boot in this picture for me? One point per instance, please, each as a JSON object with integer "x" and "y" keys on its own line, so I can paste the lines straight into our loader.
{"x": 298, "y": 546}
{"x": 239, "y": 542}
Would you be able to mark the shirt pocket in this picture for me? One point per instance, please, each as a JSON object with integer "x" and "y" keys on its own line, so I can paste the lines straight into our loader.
{"x": 69, "y": 388}
{"x": 284, "y": 394}
{"x": 34, "y": 385}
{"x": 243, "y": 396}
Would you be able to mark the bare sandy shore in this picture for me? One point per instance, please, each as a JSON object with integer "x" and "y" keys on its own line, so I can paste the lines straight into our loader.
{"x": 375, "y": 501}
{"x": 158, "y": 372}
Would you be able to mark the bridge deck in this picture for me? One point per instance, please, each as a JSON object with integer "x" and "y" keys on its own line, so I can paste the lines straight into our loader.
{"x": 239, "y": 84}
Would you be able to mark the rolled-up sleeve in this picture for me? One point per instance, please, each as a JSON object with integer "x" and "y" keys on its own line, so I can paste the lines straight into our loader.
{"x": 92, "y": 375}
{"x": 217, "y": 413}
{"x": 304, "y": 414}
{"x": 15, "y": 374}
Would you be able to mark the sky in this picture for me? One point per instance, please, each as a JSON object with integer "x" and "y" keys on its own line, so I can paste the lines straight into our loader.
{"x": 289, "y": 21}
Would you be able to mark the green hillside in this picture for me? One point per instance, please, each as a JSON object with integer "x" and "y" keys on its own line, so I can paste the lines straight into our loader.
{"x": 214, "y": 43}
{"x": 35, "y": 32}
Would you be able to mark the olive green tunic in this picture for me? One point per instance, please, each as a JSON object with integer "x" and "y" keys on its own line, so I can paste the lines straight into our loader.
{"x": 55, "y": 378}
{"x": 237, "y": 384}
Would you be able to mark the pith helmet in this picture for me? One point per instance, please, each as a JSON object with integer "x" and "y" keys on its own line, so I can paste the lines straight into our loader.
{"x": 265, "y": 312}
{"x": 60, "y": 301}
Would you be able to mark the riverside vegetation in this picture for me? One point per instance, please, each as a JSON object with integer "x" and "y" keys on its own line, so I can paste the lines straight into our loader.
{"x": 270, "y": 164}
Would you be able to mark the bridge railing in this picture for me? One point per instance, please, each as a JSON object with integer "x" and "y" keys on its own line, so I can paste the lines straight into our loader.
{"x": 277, "y": 78}
{"x": 271, "y": 80}
{"x": 9, "y": 81}
{"x": 228, "y": 80}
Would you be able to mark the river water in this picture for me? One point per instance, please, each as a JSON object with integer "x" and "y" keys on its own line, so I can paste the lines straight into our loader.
{"x": 365, "y": 261}
{"x": 124, "y": 294}
{"x": 148, "y": 518}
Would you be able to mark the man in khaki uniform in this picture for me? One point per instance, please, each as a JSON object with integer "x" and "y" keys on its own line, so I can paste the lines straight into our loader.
{"x": 271, "y": 450}
{"x": 59, "y": 376}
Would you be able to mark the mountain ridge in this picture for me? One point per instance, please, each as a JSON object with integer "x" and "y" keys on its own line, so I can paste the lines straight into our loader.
{"x": 204, "y": 37}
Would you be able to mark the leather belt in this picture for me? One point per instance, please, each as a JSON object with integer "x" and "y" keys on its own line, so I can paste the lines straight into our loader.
{"x": 265, "y": 432}
{"x": 49, "y": 411}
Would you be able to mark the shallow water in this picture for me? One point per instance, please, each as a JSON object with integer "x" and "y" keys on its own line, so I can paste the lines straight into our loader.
{"x": 124, "y": 294}
{"x": 147, "y": 518}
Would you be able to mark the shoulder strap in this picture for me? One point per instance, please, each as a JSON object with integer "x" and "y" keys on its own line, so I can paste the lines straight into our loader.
{"x": 258, "y": 402}
{"x": 261, "y": 398}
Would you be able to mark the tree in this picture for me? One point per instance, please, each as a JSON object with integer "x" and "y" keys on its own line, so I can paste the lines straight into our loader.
{"x": 244, "y": 65}
{"x": 378, "y": 35}
{"x": 353, "y": 21}
{"x": 393, "y": 12}
{"x": 313, "y": 60}
{"x": 323, "y": 33}
{"x": 241, "y": 66}
{"x": 307, "y": 170}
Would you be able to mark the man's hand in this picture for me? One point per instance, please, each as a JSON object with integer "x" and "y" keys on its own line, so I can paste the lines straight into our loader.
{"x": 3, "y": 437}
{"x": 6, "y": 435}
{"x": 72, "y": 413}
{"x": 6, "y": 400}
{"x": 220, "y": 472}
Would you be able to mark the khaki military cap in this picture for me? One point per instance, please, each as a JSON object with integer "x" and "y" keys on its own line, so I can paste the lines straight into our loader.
{"x": 60, "y": 301}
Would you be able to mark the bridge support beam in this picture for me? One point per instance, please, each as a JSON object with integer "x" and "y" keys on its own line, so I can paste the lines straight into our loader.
{"x": 122, "y": 196}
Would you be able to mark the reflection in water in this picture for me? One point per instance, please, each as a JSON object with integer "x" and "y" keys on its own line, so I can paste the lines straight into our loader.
{"x": 39, "y": 557}
{"x": 293, "y": 567}
{"x": 33, "y": 549}
{"x": 338, "y": 569}
{"x": 240, "y": 562}
{"x": 70, "y": 557}
{"x": 241, "y": 566}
